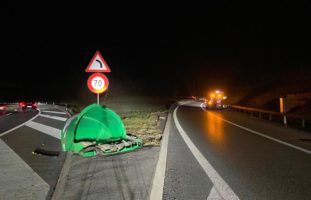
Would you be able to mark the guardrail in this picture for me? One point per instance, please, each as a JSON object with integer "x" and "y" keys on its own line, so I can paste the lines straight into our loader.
{"x": 285, "y": 118}
{"x": 72, "y": 109}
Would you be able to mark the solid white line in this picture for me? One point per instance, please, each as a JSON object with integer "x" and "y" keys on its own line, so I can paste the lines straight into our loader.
{"x": 266, "y": 136}
{"x": 158, "y": 179}
{"x": 54, "y": 132}
{"x": 16, "y": 127}
{"x": 53, "y": 117}
{"x": 213, "y": 195}
{"x": 54, "y": 112}
{"x": 219, "y": 183}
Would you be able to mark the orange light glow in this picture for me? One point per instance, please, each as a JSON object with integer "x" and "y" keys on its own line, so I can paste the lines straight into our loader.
{"x": 214, "y": 128}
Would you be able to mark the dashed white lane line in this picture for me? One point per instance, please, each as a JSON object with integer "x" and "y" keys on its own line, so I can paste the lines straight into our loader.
{"x": 219, "y": 183}
{"x": 54, "y": 112}
{"x": 54, "y": 132}
{"x": 8, "y": 114}
{"x": 53, "y": 117}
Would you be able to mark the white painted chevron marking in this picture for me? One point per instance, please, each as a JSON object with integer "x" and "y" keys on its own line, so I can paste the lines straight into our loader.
{"x": 54, "y": 117}
{"x": 54, "y": 132}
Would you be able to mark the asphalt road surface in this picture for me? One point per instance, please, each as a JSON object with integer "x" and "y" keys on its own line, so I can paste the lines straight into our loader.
{"x": 25, "y": 173}
{"x": 208, "y": 155}
{"x": 227, "y": 155}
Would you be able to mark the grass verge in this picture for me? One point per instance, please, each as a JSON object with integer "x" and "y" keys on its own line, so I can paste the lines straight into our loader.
{"x": 141, "y": 117}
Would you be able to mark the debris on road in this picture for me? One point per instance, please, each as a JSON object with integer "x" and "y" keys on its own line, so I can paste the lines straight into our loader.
{"x": 97, "y": 130}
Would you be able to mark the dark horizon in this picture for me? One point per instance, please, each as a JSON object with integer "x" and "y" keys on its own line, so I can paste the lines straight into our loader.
{"x": 157, "y": 47}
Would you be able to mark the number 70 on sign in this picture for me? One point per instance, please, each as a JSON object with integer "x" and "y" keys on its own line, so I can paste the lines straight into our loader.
{"x": 97, "y": 83}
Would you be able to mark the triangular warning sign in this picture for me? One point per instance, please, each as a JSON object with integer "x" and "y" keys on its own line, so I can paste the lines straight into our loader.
{"x": 97, "y": 64}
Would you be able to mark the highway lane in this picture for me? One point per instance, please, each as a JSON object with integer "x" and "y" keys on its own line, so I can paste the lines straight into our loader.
{"x": 21, "y": 166}
{"x": 10, "y": 120}
{"x": 252, "y": 166}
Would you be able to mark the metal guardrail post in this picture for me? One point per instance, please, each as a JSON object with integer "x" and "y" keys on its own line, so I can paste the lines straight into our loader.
{"x": 270, "y": 116}
{"x": 259, "y": 115}
{"x": 284, "y": 120}
{"x": 303, "y": 123}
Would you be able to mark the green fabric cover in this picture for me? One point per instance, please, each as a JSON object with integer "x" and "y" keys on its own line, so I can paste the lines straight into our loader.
{"x": 100, "y": 124}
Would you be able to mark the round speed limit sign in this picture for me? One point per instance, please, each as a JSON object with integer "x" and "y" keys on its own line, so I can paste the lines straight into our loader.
{"x": 97, "y": 83}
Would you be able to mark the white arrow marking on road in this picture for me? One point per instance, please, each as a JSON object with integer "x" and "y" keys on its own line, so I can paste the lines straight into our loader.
{"x": 54, "y": 112}
{"x": 53, "y": 117}
{"x": 219, "y": 183}
{"x": 54, "y": 132}
{"x": 214, "y": 195}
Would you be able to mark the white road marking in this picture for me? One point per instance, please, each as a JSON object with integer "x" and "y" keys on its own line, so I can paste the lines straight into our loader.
{"x": 266, "y": 136}
{"x": 9, "y": 114}
{"x": 54, "y": 132}
{"x": 54, "y": 117}
{"x": 158, "y": 179}
{"x": 17, "y": 179}
{"x": 202, "y": 106}
{"x": 213, "y": 195}
{"x": 219, "y": 183}
{"x": 16, "y": 127}
{"x": 54, "y": 112}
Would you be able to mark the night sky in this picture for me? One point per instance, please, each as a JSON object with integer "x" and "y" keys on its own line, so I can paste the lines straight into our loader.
{"x": 152, "y": 47}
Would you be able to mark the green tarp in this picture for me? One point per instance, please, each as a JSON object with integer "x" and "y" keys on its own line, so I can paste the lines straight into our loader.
{"x": 93, "y": 127}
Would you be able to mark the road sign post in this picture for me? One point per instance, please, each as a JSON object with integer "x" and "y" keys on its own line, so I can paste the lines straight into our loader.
{"x": 282, "y": 110}
{"x": 97, "y": 82}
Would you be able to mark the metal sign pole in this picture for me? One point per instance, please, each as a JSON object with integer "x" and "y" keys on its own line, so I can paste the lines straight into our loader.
{"x": 98, "y": 98}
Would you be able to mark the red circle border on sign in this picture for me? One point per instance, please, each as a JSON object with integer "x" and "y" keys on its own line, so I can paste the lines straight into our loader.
{"x": 89, "y": 83}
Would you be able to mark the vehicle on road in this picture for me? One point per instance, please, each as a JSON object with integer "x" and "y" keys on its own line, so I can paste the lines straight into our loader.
{"x": 32, "y": 105}
{"x": 23, "y": 105}
{"x": 215, "y": 100}
{"x": 3, "y": 107}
